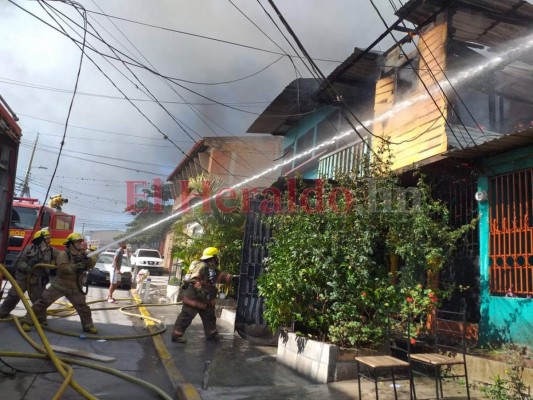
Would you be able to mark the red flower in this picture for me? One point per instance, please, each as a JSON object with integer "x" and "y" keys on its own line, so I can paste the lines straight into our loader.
{"x": 431, "y": 294}
{"x": 363, "y": 294}
{"x": 434, "y": 299}
{"x": 413, "y": 341}
{"x": 409, "y": 299}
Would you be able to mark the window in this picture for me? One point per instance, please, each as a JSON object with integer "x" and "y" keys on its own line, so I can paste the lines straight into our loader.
{"x": 64, "y": 223}
{"x": 511, "y": 234}
{"x": 23, "y": 218}
{"x": 149, "y": 253}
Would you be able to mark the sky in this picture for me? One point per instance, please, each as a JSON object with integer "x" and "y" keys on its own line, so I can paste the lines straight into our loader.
{"x": 109, "y": 141}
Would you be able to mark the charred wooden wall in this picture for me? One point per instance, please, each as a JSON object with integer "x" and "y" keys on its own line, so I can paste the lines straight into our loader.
{"x": 417, "y": 132}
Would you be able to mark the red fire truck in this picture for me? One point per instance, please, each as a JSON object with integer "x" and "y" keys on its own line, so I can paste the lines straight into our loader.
{"x": 10, "y": 134}
{"x": 27, "y": 217}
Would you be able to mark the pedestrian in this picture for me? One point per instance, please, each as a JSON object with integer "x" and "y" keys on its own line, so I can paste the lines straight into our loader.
{"x": 199, "y": 295}
{"x": 30, "y": 278}
{"x": 71, "y": 264}
{"x": 116, "y": 278}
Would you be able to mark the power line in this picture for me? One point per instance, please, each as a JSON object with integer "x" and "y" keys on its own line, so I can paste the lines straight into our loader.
{"x": 194, "y": 109}
{"x": 417, "y": 74}
{"x": 48, "y": 147}
{"x": 113, "y": 83}
{"x": 175, "y": 81}
{"x": 15, "y": 82}
{"x": 437, "y": 82}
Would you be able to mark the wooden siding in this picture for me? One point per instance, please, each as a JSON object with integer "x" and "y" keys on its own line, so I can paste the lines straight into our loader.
{"x": 419, "y": 131}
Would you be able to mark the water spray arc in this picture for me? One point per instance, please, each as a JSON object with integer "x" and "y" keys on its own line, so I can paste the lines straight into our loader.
{"x": 460, "y": 78}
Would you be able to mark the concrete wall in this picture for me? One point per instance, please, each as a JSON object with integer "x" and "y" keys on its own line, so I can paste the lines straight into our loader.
{"x": 319, "y": 361}
{"x": 503, "y": 319}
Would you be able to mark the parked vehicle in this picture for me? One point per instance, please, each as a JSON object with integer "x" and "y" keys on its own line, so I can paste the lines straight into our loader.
{"x": 99, "y": 275}
{"x": 147, "y": 259}
{"x": 10, "y": 134}
{"x": 27, "y": 217}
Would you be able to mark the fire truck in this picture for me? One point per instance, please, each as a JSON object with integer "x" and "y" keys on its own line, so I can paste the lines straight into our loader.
{"x": 10, "y": 134}
{"x": 28, "y": 216}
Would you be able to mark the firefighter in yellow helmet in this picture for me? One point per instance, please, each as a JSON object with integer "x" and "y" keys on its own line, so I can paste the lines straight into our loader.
{"x": 71, "y": 264}
{"x": 199, "y": 295}
{"x": 28, "y": 277}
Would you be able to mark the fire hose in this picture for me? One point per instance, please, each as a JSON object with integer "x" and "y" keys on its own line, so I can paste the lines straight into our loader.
{"x": 62, "y": 363}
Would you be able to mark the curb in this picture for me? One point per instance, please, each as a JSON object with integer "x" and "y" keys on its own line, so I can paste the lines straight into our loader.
{"x": 184, "y": 390}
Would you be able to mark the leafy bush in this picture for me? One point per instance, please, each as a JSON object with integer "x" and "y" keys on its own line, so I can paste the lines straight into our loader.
{"x": 331, "y": 274}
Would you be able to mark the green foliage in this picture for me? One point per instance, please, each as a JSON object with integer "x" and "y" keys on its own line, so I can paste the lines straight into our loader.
{"x": 329, "y": 273}
{"x": 512, "y": 386}
{"x": 223, "y": 230}
{"x": 148, "y": 216}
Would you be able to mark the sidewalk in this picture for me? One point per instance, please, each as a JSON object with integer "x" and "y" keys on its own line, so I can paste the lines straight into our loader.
{"x": 237, "y": 369}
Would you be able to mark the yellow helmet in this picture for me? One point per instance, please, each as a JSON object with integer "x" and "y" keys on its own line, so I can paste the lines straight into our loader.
{"x": 41, "y": 234}
{"x": 73, "y": 237}
{"x": 209, "y": 252}
{"x": 92, "y": 247}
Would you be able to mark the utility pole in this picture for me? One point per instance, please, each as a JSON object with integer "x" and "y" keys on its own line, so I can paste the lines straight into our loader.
{"x": 25, "y": 189}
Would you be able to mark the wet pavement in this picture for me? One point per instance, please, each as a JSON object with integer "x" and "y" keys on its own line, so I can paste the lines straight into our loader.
{"x": 232, "y": 368}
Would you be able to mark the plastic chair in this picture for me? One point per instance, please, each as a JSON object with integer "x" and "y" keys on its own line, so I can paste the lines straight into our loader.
{"x": 449, "y": 347}
{"x": 390, "y": 362}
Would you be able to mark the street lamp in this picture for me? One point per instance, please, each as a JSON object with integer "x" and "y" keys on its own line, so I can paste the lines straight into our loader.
{"x": 25, "y": 189}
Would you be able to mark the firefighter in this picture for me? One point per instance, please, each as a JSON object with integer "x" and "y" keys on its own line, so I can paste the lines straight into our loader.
{"x": 71, "y": 264}
{"x": 199, "y": 295}
{"x": 33, "y": 280}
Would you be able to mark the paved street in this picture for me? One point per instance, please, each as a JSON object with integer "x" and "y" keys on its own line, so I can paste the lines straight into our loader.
{"x": 237, "y": 369}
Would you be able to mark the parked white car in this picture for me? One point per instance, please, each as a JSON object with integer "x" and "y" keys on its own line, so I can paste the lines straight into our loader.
{"x": 147, "y": 259}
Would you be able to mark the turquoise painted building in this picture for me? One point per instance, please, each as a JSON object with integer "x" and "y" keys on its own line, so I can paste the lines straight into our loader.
{"x": 308, "y": 114}
{"x": 505, "y": 194}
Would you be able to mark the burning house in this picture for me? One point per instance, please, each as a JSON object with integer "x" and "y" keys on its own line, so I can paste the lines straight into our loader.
{"x": 459, "y": 106}
{"x": 452, "y": 98}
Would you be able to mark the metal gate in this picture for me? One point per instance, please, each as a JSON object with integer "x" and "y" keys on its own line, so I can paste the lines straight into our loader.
{"x": 511, "y": 234}
{"x": 463, "y": 268}
{"x": 249, "y": 322}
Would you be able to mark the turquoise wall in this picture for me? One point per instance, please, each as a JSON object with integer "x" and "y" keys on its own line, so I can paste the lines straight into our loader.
{"x": 503, "y": 319}
{"x": 303, "y": 126}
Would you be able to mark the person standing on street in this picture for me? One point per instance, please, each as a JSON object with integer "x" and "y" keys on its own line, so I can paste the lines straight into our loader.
{"x": 71, "y": 264}
{"x": 199, "y": 295}
{"x": 33, "y": 280}
{"x": 115, "y": 277}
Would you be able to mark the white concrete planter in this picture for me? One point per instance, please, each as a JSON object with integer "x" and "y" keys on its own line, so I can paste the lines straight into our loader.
{"x": 321, "y": 362}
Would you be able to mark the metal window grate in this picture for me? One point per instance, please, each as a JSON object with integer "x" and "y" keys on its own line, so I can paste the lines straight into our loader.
{"x": 511, "y": 234}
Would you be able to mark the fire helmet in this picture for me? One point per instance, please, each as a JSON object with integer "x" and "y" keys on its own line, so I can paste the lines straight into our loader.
{"x": 209, "y": 252}
{"x": 40, "y": 234}
{"x": 73, "y": 237}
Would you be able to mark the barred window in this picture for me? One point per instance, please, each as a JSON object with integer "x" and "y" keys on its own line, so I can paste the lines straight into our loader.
{"x": 511, "y": 234}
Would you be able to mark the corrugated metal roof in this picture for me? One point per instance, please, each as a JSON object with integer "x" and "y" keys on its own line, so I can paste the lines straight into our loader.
{"x": 487, "y": 145}
{"x": 488, "y": 22}
{"x": 284, "y": 112}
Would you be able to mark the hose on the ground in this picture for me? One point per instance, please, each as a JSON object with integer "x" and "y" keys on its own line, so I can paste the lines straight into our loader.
{"x": 60, "y": 366}
{"x": 60, "y": 362}
{"x": 95, "y": 366}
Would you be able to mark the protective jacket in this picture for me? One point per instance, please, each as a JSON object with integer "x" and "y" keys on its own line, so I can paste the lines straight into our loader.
{"x": 200, "y": 290}
{"x": 70, "y": 268}
{"x": 32, "y": 255}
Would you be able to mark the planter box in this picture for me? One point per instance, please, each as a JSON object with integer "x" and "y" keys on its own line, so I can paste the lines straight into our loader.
{"x": 321, "y": 362}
